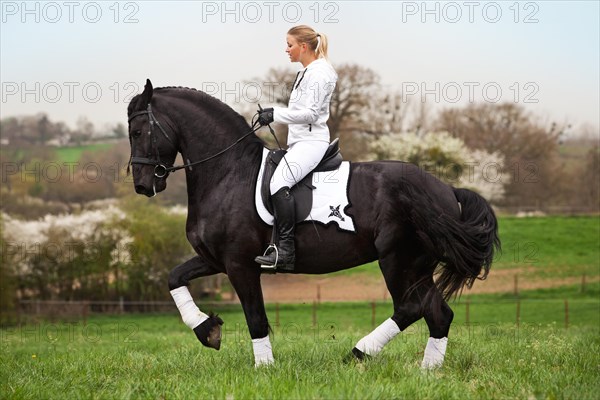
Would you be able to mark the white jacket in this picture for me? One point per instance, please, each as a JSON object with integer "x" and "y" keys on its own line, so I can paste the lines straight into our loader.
{"x": 308, "y": 109}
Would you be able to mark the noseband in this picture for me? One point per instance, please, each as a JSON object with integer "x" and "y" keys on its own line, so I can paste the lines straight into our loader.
{"x": 161, "y": 169}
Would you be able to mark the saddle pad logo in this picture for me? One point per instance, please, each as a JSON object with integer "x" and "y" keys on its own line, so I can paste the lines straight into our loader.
{"x": 335, "y": 212}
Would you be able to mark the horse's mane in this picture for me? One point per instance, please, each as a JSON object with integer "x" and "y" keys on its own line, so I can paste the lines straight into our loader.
{"x": 196, "y": 96}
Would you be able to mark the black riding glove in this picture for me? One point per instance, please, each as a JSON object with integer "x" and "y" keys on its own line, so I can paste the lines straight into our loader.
{"x": 265, "y": 116}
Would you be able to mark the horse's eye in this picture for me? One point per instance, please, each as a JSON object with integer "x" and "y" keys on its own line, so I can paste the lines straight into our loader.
{"x": 136, "y": 133}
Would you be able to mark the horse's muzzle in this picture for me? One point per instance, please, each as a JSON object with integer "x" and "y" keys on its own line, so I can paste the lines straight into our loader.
{"x": 141, "y": 189}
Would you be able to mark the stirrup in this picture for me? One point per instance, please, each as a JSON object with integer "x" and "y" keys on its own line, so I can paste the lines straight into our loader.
{"x": 273, "y": 267}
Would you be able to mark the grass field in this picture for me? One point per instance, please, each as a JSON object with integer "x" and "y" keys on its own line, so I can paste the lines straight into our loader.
{"x": 545, "y": 356}
{"x": 157, "y": 356}
{"x": 73, "y": 154}
{"x": 570, "y": 244}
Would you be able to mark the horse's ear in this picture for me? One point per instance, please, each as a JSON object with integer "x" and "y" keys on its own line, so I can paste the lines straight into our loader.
{"x": 147, "y": 93}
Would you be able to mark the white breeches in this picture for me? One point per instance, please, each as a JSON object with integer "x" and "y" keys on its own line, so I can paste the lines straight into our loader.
{"x": 302, "y": 157}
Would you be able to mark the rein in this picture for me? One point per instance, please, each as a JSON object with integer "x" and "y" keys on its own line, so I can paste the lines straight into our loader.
{"x": 160, "y": 169}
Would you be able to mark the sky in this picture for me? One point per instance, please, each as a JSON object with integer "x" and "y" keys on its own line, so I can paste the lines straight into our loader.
{"x": 74, "y": 59}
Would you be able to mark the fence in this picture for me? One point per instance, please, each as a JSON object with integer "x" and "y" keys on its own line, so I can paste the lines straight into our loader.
{"x": 81, "y": 310}
{"x": 58, "y": 309}
{"x": 560, "y": 310}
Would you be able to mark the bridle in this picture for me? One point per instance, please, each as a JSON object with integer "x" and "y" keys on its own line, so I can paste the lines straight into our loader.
{"x": 161, "y": 169}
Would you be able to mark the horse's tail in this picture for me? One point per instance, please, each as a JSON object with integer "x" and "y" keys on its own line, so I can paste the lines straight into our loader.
{"x": 464, "y": 248}
{"x": 470, "y": 254}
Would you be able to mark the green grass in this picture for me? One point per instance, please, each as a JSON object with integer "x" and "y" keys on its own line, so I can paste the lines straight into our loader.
{"x": 157, "y": 356}
{"x": 555, "y": 246}
{"x": 73, "y": 154}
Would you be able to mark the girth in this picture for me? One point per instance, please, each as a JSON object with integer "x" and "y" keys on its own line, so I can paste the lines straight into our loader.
{"x": 302, "y": 192}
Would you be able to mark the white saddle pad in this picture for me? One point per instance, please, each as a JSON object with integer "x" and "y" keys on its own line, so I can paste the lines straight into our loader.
{"x": 330, "y": 198}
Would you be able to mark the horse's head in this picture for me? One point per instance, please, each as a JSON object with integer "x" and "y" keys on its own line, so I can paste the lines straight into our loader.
{"x": 153, "y": 148}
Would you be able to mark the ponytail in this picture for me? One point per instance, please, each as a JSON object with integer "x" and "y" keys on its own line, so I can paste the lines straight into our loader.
{"x": 321, "y": 48}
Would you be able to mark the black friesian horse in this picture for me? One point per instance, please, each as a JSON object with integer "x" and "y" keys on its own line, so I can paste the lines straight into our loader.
{"x": 415, "y": 225}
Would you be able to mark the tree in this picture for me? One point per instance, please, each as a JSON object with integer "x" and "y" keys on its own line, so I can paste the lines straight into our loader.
{"x": 32, "y": 130}
{"x": 43, "y": 129}
{"x": 589, "y": 180}
{"x": 10, "y": 129}
{"x": 159, "y": 244}
{"x": 387, "y": 112}
{"x": 7, "y": 279}
{"x": 445, "y": 157}
{"x": 533, "y": 173}
{"x": 119, "y": 131}
{"x": 84, "y": 131}
{"x": 351, "y": 100}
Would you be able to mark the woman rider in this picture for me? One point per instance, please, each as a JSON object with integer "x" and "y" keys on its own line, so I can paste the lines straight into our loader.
{"x": 308, "y": 135}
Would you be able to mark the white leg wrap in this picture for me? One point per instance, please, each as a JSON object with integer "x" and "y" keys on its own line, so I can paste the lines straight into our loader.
{"x": 434, "y": 353}
{"x": 190, "y": 313}
{"x": 263, "y": 352}
{"x": 374, "y": 341}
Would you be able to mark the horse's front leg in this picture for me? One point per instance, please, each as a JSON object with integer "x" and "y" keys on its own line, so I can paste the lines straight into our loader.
{"x": 246, "y": 282}
{"x": 206, "y": 327}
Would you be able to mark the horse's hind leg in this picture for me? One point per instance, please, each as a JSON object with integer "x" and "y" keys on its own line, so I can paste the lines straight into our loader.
{"x": 415, "y": 296}
{"x": 409, "y": 277}
{"x": 438, "y": 321}
{"x": 401, "y": 272}
{"x": 206, "y": 327}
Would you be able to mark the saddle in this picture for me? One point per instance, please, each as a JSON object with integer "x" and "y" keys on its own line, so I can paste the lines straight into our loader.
{"x": 302, "y": 192}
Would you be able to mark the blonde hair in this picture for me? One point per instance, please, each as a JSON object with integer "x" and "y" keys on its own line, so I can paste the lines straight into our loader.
{"x": 317, "y": 42}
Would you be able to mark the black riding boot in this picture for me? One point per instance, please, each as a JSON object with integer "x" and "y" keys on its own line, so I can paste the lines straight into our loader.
{"x": 285, "y": 220}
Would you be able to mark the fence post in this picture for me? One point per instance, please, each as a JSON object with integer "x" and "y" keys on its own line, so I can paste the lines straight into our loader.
{"x": 583, "y": 284}
{"x": 566, "y": 314}
{"x": 373, "y": 309}
{"x": 516, "y": 288}
{"x": 85, "y": 311}
{"x": 276, "y": 314}
{"x": 18, "y": 306}
{"x": 314, "y": 314}
{"x": 467, "y": 312}
{"x": 518, "y": 312}
{"x": 319, "y": 293}
{"x": 121, "y": 305}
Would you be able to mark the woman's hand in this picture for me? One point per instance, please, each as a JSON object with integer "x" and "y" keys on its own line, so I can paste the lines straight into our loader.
{"x": 265, "y": 116}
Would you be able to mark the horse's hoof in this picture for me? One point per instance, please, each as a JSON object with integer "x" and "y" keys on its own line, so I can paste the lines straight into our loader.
{"x": 360, "y": 355}
{"x": 356, "y": 355}
{"x": 209, "y": 332}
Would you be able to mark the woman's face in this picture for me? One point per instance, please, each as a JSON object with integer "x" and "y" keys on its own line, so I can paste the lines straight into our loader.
{"x": 294, "y": 49}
